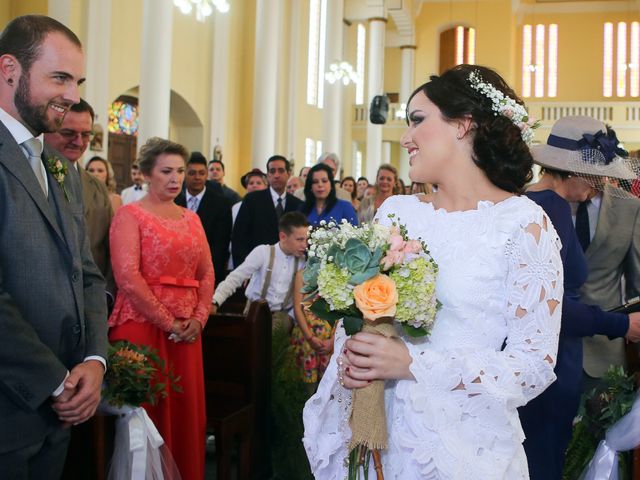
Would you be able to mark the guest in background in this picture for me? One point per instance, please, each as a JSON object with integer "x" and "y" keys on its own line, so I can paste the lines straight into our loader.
{"x": 333, "y": 162}
{"x": 421, "y": 188}
{"x": 348, "y": 184}
{"x": 312, "y": 339}
{"x": 294, "y": 184}
{"x": 257, "y": 221}
{"x": 139, "y": 188}
{"x": 320, "y": 198}
{"x": 101, "y": 169}
{"x": 72, "y": 140}
{"x": 270, "y": 270}
{"x": 216, "y": 174}
{"x": 400, "y": 188}
{"x": 252, "y": 181}
{"x": 361, "y": 187}
{"x": 385, "y": 187}
{"x": 162, "y": 265}
{"x": 547, "y": 420}
{"x": 304, "y": 171}
{"x": 213, "y": 209}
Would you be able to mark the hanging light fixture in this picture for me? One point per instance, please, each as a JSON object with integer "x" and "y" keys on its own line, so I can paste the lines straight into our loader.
{"x": 341, "y": 72}
{"x": 203, "y": 8}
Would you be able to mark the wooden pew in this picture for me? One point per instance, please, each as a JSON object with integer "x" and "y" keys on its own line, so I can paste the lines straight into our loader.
{"x": 237, "y": 371}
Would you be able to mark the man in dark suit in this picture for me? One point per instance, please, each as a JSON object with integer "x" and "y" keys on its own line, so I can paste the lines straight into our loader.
{"x": 72, "y": 140}
{"x": 257, "y": 221}
{"x": 213, "y": 209}
{"x": 53, "y": 331}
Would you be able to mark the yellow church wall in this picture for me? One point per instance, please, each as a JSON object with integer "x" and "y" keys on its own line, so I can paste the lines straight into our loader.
{"x": 495, "y": 34}
{"x": 237, "y": 144}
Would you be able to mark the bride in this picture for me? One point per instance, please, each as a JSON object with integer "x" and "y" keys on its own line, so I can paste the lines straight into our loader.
{"x": 451, "y": 400}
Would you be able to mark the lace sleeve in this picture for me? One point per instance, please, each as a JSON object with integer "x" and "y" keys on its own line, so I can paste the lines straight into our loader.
{"x": 524, "y": 368}
{"x": 124, "y": 238}
{"x": 204, "y": 273}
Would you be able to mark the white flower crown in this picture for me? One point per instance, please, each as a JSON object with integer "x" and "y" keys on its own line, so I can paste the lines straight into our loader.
{"x": 506, "y": 106}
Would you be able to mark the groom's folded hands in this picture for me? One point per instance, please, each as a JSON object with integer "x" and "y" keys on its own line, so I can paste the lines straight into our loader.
{"x": 81, "y": 396}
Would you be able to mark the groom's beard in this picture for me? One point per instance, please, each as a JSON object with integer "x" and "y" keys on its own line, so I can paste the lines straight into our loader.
{"x": 35, "y": 116}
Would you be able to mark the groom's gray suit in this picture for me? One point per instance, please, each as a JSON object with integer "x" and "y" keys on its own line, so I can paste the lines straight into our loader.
{"x": 614, "y": 251}
{"x": 52, "y": 296}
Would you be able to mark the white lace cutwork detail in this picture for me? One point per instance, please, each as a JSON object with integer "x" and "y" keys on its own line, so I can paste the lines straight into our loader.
{"x": 500, "y": 283}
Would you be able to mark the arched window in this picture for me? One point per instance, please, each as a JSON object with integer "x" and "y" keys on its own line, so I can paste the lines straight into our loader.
{"x": 457, "y": 45}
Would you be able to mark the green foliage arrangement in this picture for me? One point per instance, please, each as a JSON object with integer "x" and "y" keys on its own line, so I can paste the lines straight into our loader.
{"x": 599, "y": 410}
{"x": 288, "y": 396}
{"x": 136, "y": 375}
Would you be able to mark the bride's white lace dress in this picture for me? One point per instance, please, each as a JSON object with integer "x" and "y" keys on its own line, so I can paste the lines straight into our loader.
{"x": 500, "y": 284}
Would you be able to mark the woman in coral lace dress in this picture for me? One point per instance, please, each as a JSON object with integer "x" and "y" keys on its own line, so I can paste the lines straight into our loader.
{"x": 162, "y": 265}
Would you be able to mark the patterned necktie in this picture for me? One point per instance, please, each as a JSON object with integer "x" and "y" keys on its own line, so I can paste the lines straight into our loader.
{"x": 193, "y": 204}
{"x": 279, "y": 208}
{"x": 34, "y": 147}
{"x": 582, "y": 225}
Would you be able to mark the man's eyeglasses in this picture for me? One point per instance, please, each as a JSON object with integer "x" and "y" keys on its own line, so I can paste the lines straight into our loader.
{"x": 71, "y": 134}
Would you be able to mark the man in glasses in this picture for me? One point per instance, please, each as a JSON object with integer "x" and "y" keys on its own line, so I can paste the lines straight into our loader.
{"x": 72, "y": 140}
{"x": 257, "y": 220}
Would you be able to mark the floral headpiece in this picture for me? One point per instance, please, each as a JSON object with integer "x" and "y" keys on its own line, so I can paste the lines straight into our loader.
{"x": 506, "y": 106}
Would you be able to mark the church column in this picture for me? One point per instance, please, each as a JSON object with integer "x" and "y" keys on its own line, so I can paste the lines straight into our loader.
{"x": 265, "y": 88}
{"x": 155, "y": 77}
{"x": 97, "y": 84}
{"x": 219, "y": 81}
{"x": 292, "y": 116}
{"x": 60, "y": 10}
{"x": 406, "y": 87}
{"x": 375, "y": 78}
{"x": 332, "y": 118}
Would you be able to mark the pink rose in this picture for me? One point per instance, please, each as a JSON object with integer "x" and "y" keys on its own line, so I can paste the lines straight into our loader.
{"x": 396, "y": 242}
{"x": 393, "y": 257}
{"x": 412, "y": 246}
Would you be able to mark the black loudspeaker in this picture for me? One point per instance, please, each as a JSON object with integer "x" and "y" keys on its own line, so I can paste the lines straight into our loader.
{"x": 379, "y": 109}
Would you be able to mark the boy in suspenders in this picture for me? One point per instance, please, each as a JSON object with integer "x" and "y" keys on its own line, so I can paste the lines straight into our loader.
{"x": 271, "y": 270}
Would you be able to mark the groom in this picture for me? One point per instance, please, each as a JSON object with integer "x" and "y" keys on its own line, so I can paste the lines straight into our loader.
{"x": 52, "y": 303}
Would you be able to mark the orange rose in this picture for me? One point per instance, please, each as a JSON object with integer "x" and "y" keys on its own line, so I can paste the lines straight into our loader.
{"x": 377, "y": 297}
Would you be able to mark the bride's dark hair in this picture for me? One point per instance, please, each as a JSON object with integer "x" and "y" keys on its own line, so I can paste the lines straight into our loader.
{"x": 498, "y": 148}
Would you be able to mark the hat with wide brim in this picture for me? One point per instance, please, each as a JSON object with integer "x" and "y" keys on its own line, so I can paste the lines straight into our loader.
{"x": 581, "y": 145}
{"x": 244, "y": 180}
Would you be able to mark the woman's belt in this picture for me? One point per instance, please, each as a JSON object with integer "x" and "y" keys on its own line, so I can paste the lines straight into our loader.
{"x": 173, "y": 281}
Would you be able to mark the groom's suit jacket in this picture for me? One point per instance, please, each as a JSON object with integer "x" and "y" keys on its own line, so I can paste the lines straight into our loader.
{"x": 614, "y": 251}
{"x": 52, "y": 303}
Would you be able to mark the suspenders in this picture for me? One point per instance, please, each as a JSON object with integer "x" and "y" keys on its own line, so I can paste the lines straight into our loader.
{"x": 267, "y": 278}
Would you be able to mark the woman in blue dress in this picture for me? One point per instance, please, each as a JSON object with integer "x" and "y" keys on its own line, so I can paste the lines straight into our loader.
{"x": 547, "y": 420}
{"x": 320, "y": 199}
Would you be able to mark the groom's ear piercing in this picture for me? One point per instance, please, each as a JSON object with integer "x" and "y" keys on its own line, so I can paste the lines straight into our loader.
{"x": 10, "y": 81}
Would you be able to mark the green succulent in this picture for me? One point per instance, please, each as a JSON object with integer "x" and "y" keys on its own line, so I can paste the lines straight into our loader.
{"x": 361, "y": 263}
{"x": 310, "y": 275}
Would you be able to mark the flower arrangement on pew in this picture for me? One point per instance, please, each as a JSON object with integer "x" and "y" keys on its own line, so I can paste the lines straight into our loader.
{"x": 369, "y": 277}
{"x": 136, "y": 375}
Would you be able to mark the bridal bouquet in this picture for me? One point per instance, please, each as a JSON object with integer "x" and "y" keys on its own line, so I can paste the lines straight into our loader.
{"x": 370, "y": 276}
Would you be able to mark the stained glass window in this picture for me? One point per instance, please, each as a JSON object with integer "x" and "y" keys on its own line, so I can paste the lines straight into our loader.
{"x": 123, "y": 118}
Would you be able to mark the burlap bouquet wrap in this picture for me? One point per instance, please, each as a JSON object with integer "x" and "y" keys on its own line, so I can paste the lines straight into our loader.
{"x": 368, "y": 416}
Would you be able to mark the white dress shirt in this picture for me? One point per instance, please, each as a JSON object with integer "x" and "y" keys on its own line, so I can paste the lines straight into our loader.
{"x": 275, "y": 197}
{"x": 21, "y": 134}
{"x": 130, "y": 194}
{"x": 198, "y": 196}
{"x": 255, "y": 268}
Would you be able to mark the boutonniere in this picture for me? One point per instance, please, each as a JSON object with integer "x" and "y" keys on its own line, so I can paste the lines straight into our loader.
{"x": 59, "y": 171}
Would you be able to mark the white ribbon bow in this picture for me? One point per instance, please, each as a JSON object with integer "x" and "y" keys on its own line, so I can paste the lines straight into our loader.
{"x": 143, "y": 433}
{"x": 622, "y": 436}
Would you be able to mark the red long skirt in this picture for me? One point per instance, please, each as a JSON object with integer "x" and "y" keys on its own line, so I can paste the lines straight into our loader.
{"x": 180, "y": 417}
